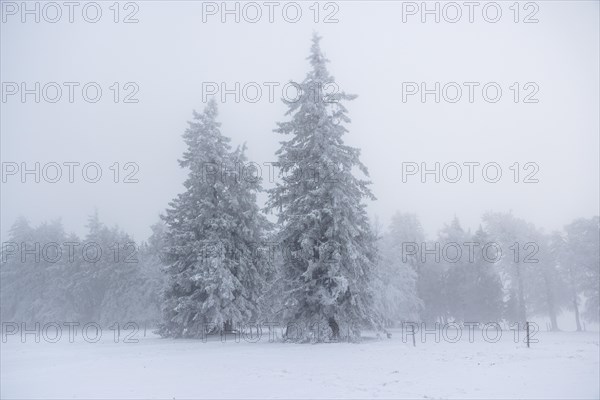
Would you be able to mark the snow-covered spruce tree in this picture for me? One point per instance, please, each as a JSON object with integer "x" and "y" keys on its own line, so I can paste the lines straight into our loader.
{"x": 152, "y": 276}
{"x": 214, "y": 278}
{"x": 578, "y": 258}
{"x": 484, "y": 298}
{"x": 31, "y": 286}
{"x": 324, "y": 229}
{"x": 452, "y": 269}
{"x": 473, "y": 286}
{"x": 528, "y": 268}
{"x": 398, "y": 272}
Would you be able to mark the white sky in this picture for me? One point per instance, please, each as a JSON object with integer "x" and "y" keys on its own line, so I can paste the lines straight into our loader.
{"x": 170, "y": 52}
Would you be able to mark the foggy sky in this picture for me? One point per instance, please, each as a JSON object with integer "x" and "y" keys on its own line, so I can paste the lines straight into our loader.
{"x": 171, "y": 52}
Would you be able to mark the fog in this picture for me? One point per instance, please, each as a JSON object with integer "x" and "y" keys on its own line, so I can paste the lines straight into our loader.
{"x": 171, "y": 52}
{"x": 427, "y": 213}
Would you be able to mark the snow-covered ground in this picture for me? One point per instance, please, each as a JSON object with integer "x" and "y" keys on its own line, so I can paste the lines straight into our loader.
{"x": 560, "y": 365}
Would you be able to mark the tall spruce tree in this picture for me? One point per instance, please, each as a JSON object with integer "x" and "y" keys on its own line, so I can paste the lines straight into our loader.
{"x": 473, "y": 286}
{"x": 324, "y": 225}
{"x": 214, "y": 278}
{"x": 578, "y": 255}
{"x": 399, "y": 270}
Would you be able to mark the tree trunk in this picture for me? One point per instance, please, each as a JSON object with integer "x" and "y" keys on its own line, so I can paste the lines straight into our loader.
{"x": 522, "y": 312}
{"x": 575, "y": 298}
{"x": 335, "y": 329}
{"x": 576, "y": 307}
{"x": 551, "y": 306}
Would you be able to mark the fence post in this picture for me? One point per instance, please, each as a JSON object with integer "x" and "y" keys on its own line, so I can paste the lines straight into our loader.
{"x": 527, "y": 328}
{"x": 412, "y": 328}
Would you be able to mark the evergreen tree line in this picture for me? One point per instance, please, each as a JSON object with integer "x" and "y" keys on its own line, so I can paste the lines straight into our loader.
{"x": 49, "y": 276}
{"x": 200, "y": 272}
{"x": 409, "y": 282}
{"x": 507, "y": 270}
